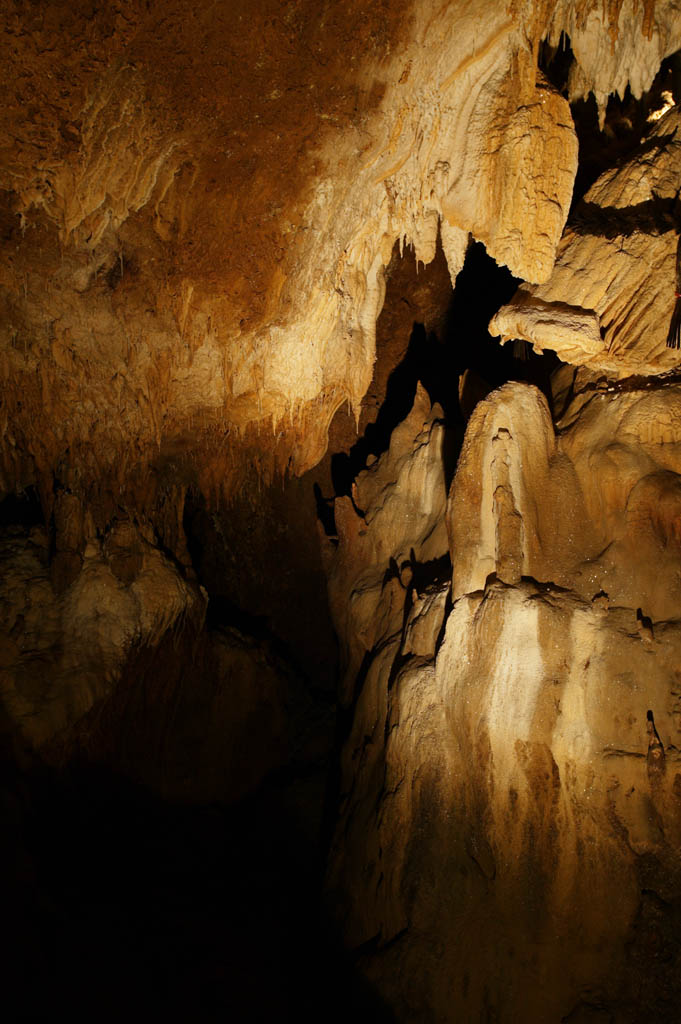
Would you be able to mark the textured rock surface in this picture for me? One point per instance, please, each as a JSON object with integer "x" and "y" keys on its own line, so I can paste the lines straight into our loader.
{"x": 592, "y": 509}
{"x": 64, "y": 648}
{"x": 511, "y": 464}
{"x": 390, "y": 532}
{"x": 510, "y": 782}
{"x": 197, "y": 209}
{"x": 610, "y": 298}
{"x": 117, "y": 666}
{"x": 198, "y": 206}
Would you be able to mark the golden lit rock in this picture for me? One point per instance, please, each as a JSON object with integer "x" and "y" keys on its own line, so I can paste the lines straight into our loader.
{"x": 202, "y": 210}
{"x": 610, "y": 298}
{"x": 196, "y": 244}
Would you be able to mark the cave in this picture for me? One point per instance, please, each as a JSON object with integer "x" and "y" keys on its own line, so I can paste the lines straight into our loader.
{"x": 340, "y": 510}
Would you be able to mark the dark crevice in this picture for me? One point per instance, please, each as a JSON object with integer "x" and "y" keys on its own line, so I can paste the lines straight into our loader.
{"x": 325, "y": 511}
{"x": 625, "y": 128}
{"x": 24, "y": 509}
{"x": 449, "y": 604}
{"x": 431, "y": 574}
{"x": 438, "y": 360}
{"x": 556, "y": 61}
{"x": 482, "y": 288}
{"x": 398, "y": 401}
{"x": 626, "y": 118}
{"x": 652, "y": 217}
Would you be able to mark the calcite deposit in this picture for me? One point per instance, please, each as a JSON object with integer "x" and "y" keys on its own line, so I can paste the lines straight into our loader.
{"x": 610, "y": 298}
{"x": 392, "y": 524}
{"x": 511, "y": 777}
{"x": 201, "y": 209}
{"x": 198, "y": 207}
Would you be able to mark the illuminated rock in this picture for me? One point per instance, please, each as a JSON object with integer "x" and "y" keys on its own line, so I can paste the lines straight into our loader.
{"x": 610, "y": 298}
{"x": 392, "y": 526}
{"x": 507, "y": 790}
{"x": 198, "y": 211}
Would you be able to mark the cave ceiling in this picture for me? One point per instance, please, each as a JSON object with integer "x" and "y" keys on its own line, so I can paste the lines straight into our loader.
{"x": 199, "y": 203}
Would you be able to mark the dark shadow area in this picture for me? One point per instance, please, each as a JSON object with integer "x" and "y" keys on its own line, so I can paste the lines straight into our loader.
{"x": 434, "y": 573}
{"x": 421, "y": 352}
{"x": 626, "y": 118}
{"x": 24, "y": 509}
{"x": 325, "y": 511}
{"x": 260, "y": 563}
{"x": 437, "y": 361}
{"x": 482, "y": 287}
{"x": 653, "y": 217}
{"x": 122, "y": 906}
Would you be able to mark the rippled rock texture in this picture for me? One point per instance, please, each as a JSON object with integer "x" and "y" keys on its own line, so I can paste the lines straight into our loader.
{"x": 511, "y": 780}
{"x": 198, "y": 206}
{"x": 610, "y": 298}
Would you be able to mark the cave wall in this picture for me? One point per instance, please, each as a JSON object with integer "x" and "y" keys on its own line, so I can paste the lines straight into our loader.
{"x": 200, "y": 211}
{"x": 509, "y": 798}
{"x": 614, "y": 279}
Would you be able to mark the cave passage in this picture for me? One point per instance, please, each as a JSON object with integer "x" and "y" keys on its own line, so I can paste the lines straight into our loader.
{"x": 167, "y": 854}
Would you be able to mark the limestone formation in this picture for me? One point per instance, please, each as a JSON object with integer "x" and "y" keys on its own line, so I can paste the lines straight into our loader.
{"x": 67, "y": 641}
{"x": 159, "y": 298}
{"x": 610, "y": 299}
{"x": 390, "y": 531}
{"x": 199, "y": 206}
{"x": 592, "y": 509}
{"x": 504, "y": 793}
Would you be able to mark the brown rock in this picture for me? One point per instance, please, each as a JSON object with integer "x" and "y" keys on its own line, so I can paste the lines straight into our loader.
{"x": 395, "y": 519}
{"x": 134, "y": 327}
{"x": 610, "y": 298}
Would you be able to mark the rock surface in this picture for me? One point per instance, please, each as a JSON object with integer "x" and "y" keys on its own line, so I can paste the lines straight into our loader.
{"x": 197, "y": 209}
{"x": 610, "y": 298}
{"x": 198, "y": 206}
{"x": 117, "y": 667}
{"x": 510, "y": 781}
{"x": 391, "y": 536}
{"x": 64, "y": 648}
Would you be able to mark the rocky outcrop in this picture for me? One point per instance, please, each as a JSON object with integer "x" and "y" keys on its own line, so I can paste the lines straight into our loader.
{"x": 592, "y": 508}
{"x": 610, "y": 298}
{"x": 197, "y": 209}
{"x": 512, "y": 465}
{"x": 511, "y": 781}
{"x": 112, "y": 663}
{"x": 66, "y": 642}
{"x": 391, "y": 538}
